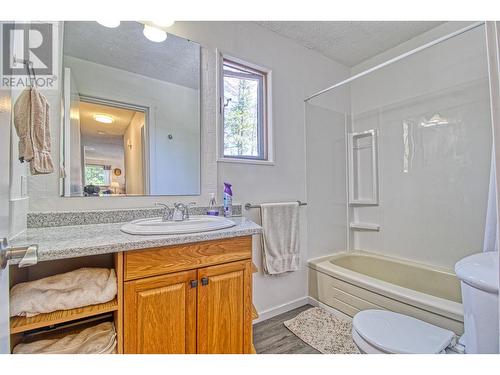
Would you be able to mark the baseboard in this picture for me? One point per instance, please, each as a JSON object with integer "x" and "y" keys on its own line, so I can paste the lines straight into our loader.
{"x": 268, "y": 314}
{"x": 316, "y": 303}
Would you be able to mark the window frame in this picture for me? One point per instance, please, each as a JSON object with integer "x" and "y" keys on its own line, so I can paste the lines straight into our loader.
{"x": 265, "y": 134}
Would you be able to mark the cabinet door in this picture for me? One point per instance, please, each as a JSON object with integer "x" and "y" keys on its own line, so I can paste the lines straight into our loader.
{"x": 160, "y": 314}
{"x": 225, "y": 308}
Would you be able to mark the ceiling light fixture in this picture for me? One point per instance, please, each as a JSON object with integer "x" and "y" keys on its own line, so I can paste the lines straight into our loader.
{"x": 163, "y": 23}
{"x": 154, "y": 34}
{"x": 435, "y": 120}
{"x": 105, "y": 119}
{"x": 109, "y": 23}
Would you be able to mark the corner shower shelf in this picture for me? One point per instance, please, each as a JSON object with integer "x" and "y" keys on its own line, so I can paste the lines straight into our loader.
{"x": 365, "y": 226}
{"x": 363, "y": 167}
{"x": 365, "y": 202}
{"x": 20, "y": 324}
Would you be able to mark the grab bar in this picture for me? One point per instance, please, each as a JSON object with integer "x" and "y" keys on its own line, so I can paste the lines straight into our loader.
{"x": 28, "y": 254}
{"x": 249, "y": 205}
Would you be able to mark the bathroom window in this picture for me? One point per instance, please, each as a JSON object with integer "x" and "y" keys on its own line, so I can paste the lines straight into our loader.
{"x": 97, "y": 175}
{"x": 244, "y": 112}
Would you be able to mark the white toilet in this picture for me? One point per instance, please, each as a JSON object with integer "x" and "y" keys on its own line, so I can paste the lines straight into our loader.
{"x": 380, "y": 331}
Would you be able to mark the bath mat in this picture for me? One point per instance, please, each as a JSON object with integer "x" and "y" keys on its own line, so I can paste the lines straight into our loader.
{"x": 323, "y": 331}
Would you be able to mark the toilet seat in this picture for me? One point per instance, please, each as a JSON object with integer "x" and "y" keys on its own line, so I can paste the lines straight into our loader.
{"x": 380, "y": 331}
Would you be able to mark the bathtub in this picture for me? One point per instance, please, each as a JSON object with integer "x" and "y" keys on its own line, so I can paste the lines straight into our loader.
{"x": 356, "y": 280}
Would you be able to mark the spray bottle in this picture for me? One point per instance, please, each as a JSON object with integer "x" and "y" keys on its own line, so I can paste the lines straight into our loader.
{"x": 228, "y": 200}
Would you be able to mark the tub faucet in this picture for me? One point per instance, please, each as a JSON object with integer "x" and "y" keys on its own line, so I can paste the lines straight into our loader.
{"x": 167, "y": 212}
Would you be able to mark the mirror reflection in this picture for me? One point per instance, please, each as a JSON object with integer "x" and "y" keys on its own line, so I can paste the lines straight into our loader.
{"x": 131, "y": 112}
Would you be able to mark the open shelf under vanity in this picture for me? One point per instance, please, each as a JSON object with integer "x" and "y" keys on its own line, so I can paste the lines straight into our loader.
{"x": 62, "y": 322}
{"x": 20, "y": 324}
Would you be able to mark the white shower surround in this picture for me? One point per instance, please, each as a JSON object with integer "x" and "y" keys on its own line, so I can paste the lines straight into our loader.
{"x": 384, "y": 100}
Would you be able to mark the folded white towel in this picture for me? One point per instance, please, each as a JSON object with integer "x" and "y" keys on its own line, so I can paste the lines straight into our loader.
{"x": 99, "y": 339}
{"x": 280, "y": 241}
{"x": 82, "y": 287}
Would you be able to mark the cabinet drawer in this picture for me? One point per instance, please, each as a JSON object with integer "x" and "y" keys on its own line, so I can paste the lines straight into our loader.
{"x": 176, "y": 258}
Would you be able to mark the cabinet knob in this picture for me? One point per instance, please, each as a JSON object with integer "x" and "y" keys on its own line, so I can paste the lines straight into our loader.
{"x": 204, "y": 281}
{"x": 194, "y": 283}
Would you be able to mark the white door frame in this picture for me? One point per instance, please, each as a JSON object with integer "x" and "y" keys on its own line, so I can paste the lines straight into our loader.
{"x": 5, "y": 140}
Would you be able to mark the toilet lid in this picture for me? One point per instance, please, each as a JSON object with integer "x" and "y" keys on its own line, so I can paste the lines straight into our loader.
{"x": 396, "y": 333}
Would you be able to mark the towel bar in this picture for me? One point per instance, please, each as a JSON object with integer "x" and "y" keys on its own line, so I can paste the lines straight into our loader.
{"x": 249, "y": 205}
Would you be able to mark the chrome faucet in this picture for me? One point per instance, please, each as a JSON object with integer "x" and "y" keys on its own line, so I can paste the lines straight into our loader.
{"x": 167, "y": 213}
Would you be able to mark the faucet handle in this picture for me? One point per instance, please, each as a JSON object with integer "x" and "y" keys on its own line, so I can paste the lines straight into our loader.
{"x": 188, "y": 206}
{"x": 167, "y": 213}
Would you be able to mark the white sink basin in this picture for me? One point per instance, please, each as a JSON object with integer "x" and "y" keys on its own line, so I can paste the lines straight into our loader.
{"x": 193, "y": 225}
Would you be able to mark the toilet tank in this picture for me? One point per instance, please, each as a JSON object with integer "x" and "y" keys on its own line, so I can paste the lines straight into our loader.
{"x": 479, "y": 276}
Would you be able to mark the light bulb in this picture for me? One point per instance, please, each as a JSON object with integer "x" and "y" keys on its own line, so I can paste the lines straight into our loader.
{"x": 154, "y": 34}
{"x": 105, "y": 119}
{"x": 109, "y": 23}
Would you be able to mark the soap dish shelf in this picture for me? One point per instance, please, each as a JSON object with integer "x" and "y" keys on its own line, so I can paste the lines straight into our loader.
{"x": 365, "y": 226}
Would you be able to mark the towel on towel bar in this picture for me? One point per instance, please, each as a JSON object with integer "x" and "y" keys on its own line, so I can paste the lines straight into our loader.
{"x": 280, "y": 240}
{"x": 99, "y": 339}
{"x": 82, "y": 287}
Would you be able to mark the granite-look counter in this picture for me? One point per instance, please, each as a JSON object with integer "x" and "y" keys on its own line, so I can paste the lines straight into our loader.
{"x": 85, "y": 240}
{"x": 119, "y": 215}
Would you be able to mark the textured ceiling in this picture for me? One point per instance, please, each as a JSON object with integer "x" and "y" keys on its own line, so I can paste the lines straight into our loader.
{"x": 350, "y": 42}
{"x": 175, "y": 60}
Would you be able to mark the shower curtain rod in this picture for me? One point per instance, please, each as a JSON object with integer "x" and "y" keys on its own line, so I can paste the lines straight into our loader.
{"x": 397, "y": 58}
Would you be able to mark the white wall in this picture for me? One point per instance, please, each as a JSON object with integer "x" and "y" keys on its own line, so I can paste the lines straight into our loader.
{"x": 434, "y": 211}
{"x": 297, "y": 72}
{"x": 19, "y": 200}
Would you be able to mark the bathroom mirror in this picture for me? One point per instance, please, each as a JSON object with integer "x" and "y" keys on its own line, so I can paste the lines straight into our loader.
{"x": 131, "y": 122}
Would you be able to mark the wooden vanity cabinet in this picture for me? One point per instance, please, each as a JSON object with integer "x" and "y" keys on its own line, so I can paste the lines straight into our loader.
{"x": 225, "y": 309}
{"x": 160, "y": 314}
{"x": 194, "y": 298}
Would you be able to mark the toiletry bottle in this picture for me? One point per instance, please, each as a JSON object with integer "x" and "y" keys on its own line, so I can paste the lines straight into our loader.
{"x": 212, "y": 206}
{"x": 228, "y": 200}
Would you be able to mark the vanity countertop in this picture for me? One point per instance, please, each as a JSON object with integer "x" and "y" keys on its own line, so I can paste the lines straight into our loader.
{"x": 84, "y": 240}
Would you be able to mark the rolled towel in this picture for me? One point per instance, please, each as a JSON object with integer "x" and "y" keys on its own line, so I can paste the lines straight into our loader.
{"x": 82, "y": 287}
{"x": 99, "y": 339}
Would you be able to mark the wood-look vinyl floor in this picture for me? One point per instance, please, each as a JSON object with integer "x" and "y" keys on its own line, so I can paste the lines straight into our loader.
{"x": 272, "y": 337}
